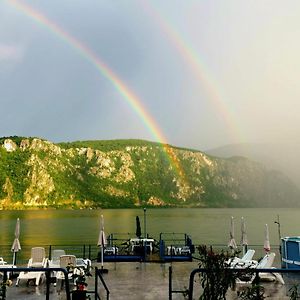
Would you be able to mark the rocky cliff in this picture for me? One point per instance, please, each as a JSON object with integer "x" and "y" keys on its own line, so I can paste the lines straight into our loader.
{"x": 36, "y": 173}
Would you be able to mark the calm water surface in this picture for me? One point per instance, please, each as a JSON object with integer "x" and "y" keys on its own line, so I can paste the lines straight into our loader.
{"x": 206, "y": 226}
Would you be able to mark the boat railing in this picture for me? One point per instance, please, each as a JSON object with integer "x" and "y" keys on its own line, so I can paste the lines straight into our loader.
{"x": 173, "y": 236}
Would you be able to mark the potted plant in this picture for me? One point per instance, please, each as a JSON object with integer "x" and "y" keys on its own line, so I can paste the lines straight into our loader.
{"x": 4, "y": 284}
{"x": 81, "y": 284}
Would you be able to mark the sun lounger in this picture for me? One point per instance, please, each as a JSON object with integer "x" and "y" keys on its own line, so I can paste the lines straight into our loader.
{"x": 265, "y": 263}
{"x": 36, "y": 276}
{"x": 244, "y": 262}
{"x": 248, "y": 255}
{"x": 37, "y": 260}
{"x": 268, "y": 264}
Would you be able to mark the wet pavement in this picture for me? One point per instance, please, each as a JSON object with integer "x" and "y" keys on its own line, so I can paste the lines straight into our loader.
{"x": 138, "y": 281}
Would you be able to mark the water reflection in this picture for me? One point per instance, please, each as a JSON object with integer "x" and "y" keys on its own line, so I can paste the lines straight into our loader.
{"x": 206, "y": 226}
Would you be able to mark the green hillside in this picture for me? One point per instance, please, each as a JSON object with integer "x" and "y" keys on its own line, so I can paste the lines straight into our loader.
{"x": 36, "y": 173}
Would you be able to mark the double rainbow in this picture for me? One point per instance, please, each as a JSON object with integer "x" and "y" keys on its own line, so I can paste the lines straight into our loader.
{"x": 198, "y": 66}
{"x": 126, "y": 94}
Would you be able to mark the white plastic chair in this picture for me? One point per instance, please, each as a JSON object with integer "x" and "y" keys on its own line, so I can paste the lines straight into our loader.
{"x": 54, "y": 262}
{"x": 2, "y": 262}
{"x": 37, "y": 260}
{"x": 67, "y": 262}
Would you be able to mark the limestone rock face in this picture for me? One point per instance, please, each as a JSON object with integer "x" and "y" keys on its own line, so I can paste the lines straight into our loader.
{"x": 8, "y": 188}
{"x": 154, "y": 201}
{"x": 41, "y": 183}
{"x": 131, "y": 173}
{"x": 9, "y": 145}
{"x": 24, "y": 144}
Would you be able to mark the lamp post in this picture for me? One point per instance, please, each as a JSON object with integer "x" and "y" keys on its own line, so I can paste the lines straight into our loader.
{"x": 145, "y": 233}
{"x": 145, "y": 236}
{"x": 279, "y": 234}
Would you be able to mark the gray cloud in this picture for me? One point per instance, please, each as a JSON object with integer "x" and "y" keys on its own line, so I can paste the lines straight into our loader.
{"x": 244, "y": 90}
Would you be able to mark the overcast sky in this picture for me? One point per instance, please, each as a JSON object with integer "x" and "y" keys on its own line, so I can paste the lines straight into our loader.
{"x": 208, "y": 73}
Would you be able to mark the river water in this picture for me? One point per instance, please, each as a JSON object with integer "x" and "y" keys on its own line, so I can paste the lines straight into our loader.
{"x": 205, "y": 226}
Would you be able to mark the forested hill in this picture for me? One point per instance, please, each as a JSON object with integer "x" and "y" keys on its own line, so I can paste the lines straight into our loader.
{"x": 35, "y": 173}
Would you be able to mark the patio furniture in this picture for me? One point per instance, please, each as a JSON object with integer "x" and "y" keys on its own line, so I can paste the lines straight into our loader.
{"x": 54, "y": 262}
{"x": 111, "y": 250}
{"x": 174, "y": 250}
{"x": 36, "y": 276}
{"x": 55, "y": 258}
{"x": 245, "y": 261}
{"x": 265, "y": 263}
{"x": 185, "y": 250}
{"x": 83, "y": 263}
{"x": 69, "y": 263}
{"x": 37, "y": 260}
{"x": 3, "y": 264}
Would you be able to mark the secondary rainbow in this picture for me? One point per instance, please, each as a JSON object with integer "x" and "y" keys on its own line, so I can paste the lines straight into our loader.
{"x": 195, "y": 62}
{"x": 127, "y": 95}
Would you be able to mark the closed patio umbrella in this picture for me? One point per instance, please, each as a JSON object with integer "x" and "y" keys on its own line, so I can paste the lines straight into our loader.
{"x": 244, "y": 240}
{"x": 232, "y": 244}
{"x": 102, "y": 242}
{"x": 16, "y": 247}
{"x": 138, "y": 231}
{"x": 267, "y": 246}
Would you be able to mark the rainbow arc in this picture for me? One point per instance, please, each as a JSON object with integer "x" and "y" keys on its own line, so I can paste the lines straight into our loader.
{"x": 127, "y": 95}
{"x": 196, "y": 63}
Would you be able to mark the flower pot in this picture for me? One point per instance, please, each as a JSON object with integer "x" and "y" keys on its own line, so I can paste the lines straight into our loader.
{"x": 79, "y": 295}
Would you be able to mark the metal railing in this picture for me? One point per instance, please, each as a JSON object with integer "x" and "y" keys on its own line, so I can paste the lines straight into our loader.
{"x": 190, "y": 291}
{"x": 82, "y": 250}
{"x": 171, "y": 291}
{"x": 47, "y": 272}
{"x": 98, "y": 274}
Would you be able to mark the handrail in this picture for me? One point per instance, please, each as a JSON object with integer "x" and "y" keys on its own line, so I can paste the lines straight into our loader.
{"x": 254, "y": 271}
{"x": 171, "y": 291}
{"x": 98, "y": 274}
{"x": 47, "y": 271}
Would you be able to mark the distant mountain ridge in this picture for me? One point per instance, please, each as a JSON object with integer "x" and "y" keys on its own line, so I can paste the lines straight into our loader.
{"x": 277, "y": 156}
{"x": 36, "y": 173}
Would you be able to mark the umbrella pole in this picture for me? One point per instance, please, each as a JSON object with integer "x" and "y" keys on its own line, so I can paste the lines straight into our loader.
{"x": 14, "y": 258}
{"x": 102, "y": 270}
{"x": 102, "y": 257}
{"x": 14, "y": 263}
{"x": 102, "y": 242}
